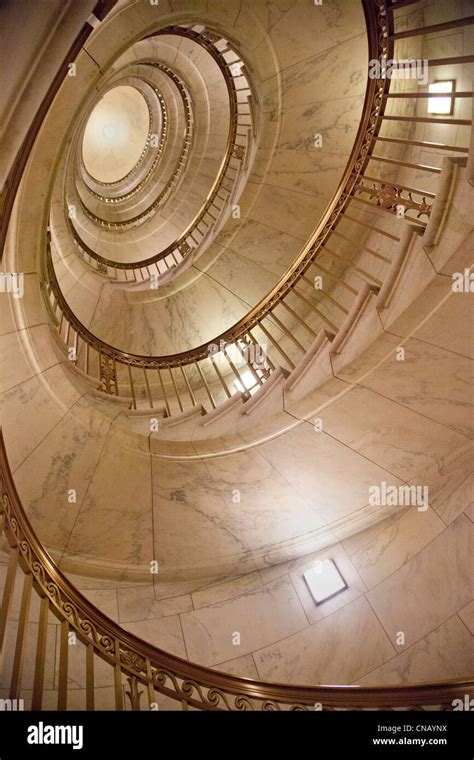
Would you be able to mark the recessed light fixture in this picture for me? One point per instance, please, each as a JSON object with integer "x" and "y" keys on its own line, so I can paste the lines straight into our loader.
{"x": 324, "y": 580}
{"x": 442, "y": 102}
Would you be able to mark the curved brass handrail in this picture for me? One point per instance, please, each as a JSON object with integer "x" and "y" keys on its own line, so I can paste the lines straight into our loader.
{"x": 380, "y": 46}
{"x": 141, "y": 158}
{"x": 165, "y": 673}
{"x": 232, "y": 150}
{"x": 180, "y": 163}
{"x": 12, "y": 183}
{"x": 158, "y": 155}
{"x": 203, "y": 381}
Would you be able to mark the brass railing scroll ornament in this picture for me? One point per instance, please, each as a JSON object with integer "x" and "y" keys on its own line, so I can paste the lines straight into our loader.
{"x": 159, "y": 671}
{"x": 108, "y": 377}
{"x": 391, "y": 198}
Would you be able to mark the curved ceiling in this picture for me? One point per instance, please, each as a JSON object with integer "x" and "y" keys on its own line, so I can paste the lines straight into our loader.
{"x": 285, "y": 186}
{"x": 116, "y": 134}
{"x": 209, "y": 475}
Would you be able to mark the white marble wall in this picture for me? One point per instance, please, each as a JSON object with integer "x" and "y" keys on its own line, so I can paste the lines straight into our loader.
{"x": 289, "y": 186}
{"x": 391, "y": 571}
{"x": 414, "y": 428}
{"x": 44, "y": 35}
{"x": 202, "y": 79}
{"x": 382, "y": 421}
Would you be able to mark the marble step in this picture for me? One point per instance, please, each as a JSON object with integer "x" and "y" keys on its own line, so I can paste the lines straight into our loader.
{"x": 314, "y": 369}
{"x": 184, "y": 422}
{"x": 451, "y": 217}
{"x": 373, "y": 310}
{"x": 221, "y": 420}
{"x": 327, "y": 354}
{"x": 268, "y": 399}
{"x": 410, "y": 273}
{"x": 361, "y": 327}
{"x": 198, "y": 484}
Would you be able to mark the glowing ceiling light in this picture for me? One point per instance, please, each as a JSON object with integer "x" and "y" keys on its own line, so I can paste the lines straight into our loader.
{"x": 109, "y": 131}
{"x": 324, "y": 580}
{"x": 441, "y": 105}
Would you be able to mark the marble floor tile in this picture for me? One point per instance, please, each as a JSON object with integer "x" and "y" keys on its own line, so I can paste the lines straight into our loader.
{"x": 230, "y": 506}
{"x": 170, "y": 589}
{"x": 221, "y": 592}
{"x": 400, "y": 440}
{"x": 259, "y": 617}
{"x": 272, "y": 572}
{"x": 469, "y": 512}
{"x": 443, "y": 328}
{"x": 32, "y": 309}
{"x": 190, "y": 520}
{"x": 467, "y": 616}
{"x": 319, "y": 654}
{"x": 164, "y": 633}
{"x": 410, "y": 383}
{"x": 304, "y": 79}
{"x": 429, "y": 588}
{"x": 141, "y": 604}
{"x": 42, "y": 401}
{"x": 445, "y": 479}
{"x": 115, "y": 517}
{"x": 64, "y": 460}
{"x": 105, "y": 600}
{"x": 335, "y": 478}
{"x": 27, "y": 347}
{"x": 269, "y": 509}
{"x": 458, "y": 501}
{"x": 241, "y": 666}
{"x": 85, "y": 583}
{"x": 293, "y": 34}
{"x": 380, "y": 550}
{"x": 445, "y": 653}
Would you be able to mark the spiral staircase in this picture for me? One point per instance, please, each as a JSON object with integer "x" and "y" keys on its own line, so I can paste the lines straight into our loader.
{"x": 230, "y": 331}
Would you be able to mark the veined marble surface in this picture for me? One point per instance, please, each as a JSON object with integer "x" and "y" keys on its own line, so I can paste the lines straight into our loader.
{"x": 288, "y": 189}
{"x": 132, "y": 493}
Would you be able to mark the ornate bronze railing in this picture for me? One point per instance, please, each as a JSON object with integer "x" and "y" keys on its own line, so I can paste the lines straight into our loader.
{"x": 178, "y": 168}
{"x": 12, "y": 183}
{"x": 138, "y": 163}
{"x": 210, "y": 373}
{"x": 148, "y": 671}
{"x": 158, "y": 154}
{"x": 216, "y": 203}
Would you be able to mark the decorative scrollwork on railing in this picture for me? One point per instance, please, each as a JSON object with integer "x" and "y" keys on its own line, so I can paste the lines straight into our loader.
{"x": 179, "y": 165}
{"x": 162, "y": 672}
{"x": 380, "y": 45}
{"x": 392, "y": 198}
{"x": 157, "y": 158}
{"x": 141, "y": 158}
{"x": 379, "y": 24}
{"x": 108, "y": 375}
{"x": 133, "y": 693}
{"x": 238, "y": 152}
{"x": 234, "y": 150}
